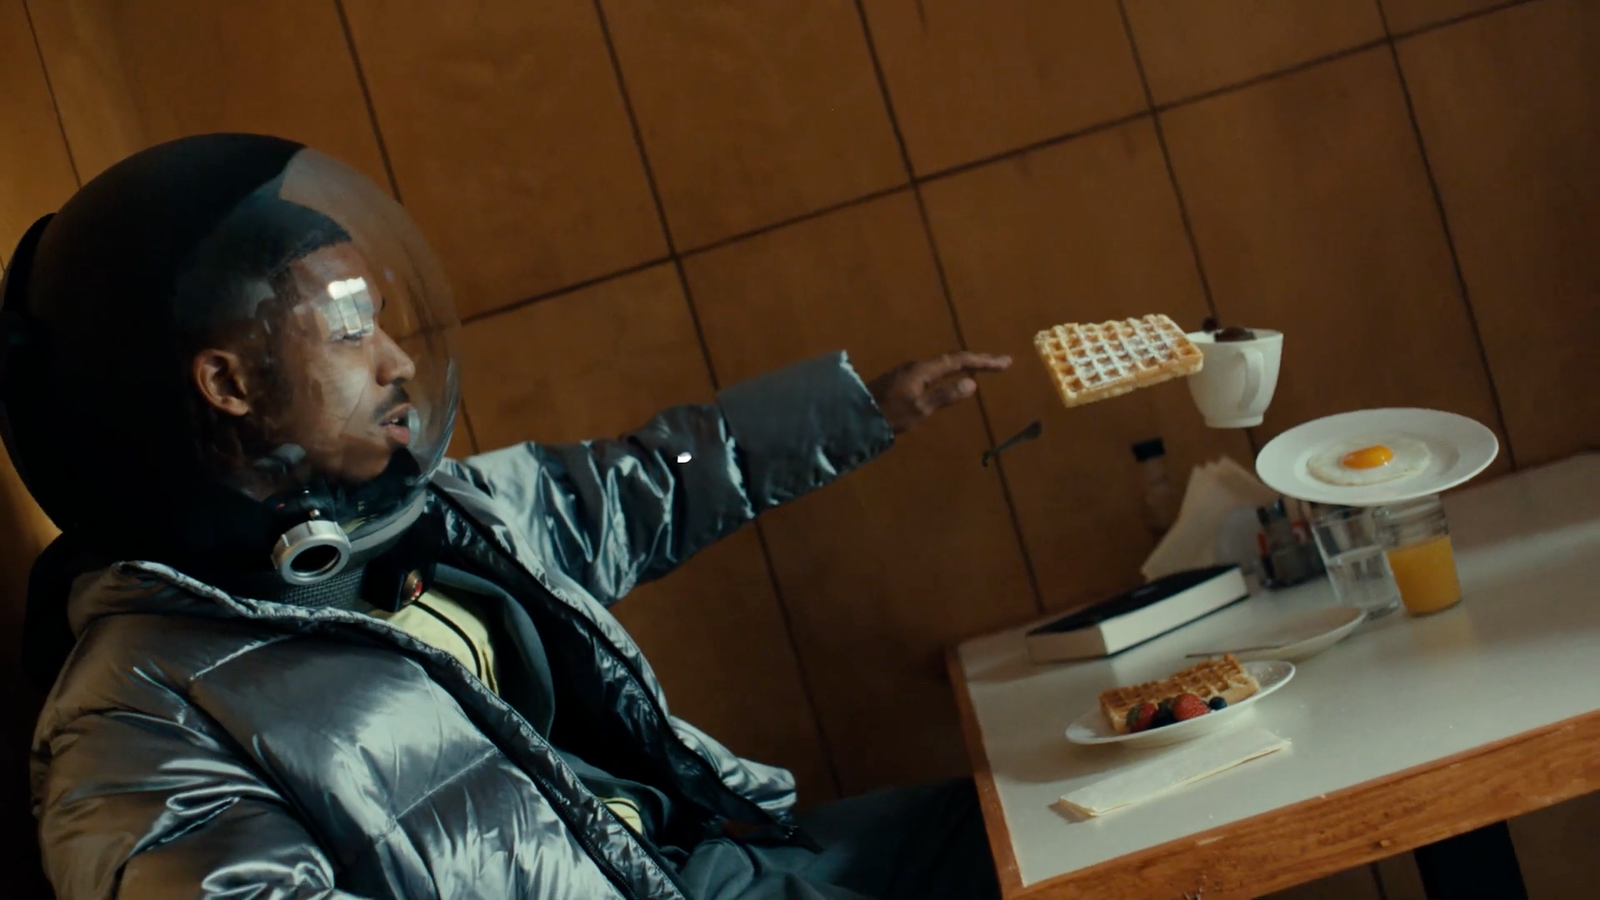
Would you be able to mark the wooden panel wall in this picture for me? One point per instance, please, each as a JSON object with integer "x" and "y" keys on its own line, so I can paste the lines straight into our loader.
{"x": 1311, "y": 208}
{"x": 508, "y": 138}
{"x": 1189, "y": 49}
{"x": 945, "y": 62}
{"x": 714, "y": 630}
{"x": 1084, "y": 230}
{"x": 884, "y": 570}
{"x": 1509, "y": 107}
{"x": 644, "y": 200}
{"x": 36, "y": 176}
{"x": 130, "y": 73}
{"x": 37, "y": 172}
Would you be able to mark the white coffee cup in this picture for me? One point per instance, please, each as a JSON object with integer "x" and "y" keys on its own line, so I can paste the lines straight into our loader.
{"x": 1235, "y": 386}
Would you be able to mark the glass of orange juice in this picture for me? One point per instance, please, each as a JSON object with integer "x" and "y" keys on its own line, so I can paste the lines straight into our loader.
{"x": 1417, "y": 541}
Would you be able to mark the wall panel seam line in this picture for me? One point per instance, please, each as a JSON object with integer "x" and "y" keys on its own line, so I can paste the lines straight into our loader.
{"x": 566, "y": 289}
{"x": 806, "y": 687}
{"x": 781, "y": 224}
{"x": 1033, "y": 147}
{"x": 638, "y": 141}
{"x": 388, "y": 164}
{"x": 1377, "y": 880}
{"x": 1269, "y": 76}
{"x": 50, "y": 88}
{"x": 1450, "y": 243}
{"x": 1166, "y": 161}
{"x": 1177, "y": 189}
{"x": 1445, "y": 23}
{"x": 949, "y": 300}
{"x": 466, "y": 421}
{"x": 366, "y": 99}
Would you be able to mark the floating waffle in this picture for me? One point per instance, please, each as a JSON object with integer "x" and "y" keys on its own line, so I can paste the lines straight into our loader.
{"x": 1224, "y": 677}
{"x": 1092, "y": 362}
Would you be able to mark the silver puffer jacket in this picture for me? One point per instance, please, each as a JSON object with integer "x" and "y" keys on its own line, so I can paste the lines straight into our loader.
{"x": 198, "y": 744}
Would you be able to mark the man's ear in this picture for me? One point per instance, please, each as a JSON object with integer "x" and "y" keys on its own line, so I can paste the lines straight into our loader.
{"x": 221, "y": 379}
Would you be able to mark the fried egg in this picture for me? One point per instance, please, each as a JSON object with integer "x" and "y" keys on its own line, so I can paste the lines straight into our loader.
{"x": 1375, "y": 460}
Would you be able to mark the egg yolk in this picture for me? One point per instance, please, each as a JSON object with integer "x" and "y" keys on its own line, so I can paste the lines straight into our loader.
{"x": 1367, "y": 457}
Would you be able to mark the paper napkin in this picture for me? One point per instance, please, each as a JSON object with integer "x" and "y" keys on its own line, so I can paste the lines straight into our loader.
{"x": 1215, "y": 491}
{"x": 1182, "y": 765}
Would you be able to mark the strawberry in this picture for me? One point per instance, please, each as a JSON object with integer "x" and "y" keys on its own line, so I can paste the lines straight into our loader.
{"x": 1187, "y": 706}
{"x": 1139, "y": 717}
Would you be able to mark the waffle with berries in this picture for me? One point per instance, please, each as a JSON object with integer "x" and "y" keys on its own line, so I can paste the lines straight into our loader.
{"x": 1223, "y": 677}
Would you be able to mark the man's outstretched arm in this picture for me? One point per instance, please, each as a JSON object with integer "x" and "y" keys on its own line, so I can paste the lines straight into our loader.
{"x": 614, "y": 513}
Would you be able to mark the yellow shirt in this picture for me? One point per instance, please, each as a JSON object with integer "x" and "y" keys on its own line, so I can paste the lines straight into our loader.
{"x": 456, "y": 627}
{"x": 452, "y": 626}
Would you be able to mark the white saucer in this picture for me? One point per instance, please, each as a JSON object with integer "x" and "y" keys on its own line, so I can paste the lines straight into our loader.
{"x": 1460, "y": 449}
{"x": 1293, "y": 638}
{"x": 1092, "y": 727}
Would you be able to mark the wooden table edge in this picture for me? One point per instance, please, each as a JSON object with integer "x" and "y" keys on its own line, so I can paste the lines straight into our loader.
{"x": 1412, "y": 807}
{"x": 994, "y": 817}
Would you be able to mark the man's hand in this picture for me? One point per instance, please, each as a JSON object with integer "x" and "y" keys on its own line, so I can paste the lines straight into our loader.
{"x": 913, "y": 391}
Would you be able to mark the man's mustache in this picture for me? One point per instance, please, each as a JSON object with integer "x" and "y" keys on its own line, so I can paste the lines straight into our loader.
{"x": 396, "y": 399}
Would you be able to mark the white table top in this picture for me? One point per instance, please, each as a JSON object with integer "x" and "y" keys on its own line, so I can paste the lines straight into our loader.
{"x": 1520, "y": 652}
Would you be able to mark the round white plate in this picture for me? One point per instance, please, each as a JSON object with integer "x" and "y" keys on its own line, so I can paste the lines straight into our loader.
{"x": 1460, "y": 448}
{"x": 1092, "y": 727}
{"x": 1294, "y": 638}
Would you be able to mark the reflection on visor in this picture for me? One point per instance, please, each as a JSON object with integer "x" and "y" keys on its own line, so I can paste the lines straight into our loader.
{"x": 376, "y": 273}
{"x": 348, "y": 309}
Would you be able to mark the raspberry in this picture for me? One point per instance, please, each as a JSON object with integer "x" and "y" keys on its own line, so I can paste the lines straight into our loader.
{"x": 1140, "y": 717}
{"x": 1187, "y": 706}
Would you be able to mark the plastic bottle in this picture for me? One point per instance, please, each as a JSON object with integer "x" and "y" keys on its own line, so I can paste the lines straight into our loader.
{"x": 1160, "y": 497}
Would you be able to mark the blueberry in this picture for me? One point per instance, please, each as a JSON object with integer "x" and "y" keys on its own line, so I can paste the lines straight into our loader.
{"x": 1163, "y": 717}
{"x": 1217, "y": 703}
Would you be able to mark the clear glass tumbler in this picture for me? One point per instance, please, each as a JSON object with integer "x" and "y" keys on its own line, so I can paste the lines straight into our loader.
{"x": 1354, "y": 554}
{"x": 1417, "y": 541}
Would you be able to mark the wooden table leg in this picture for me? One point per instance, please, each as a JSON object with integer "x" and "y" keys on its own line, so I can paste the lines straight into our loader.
{"x": 1477, "y": 865}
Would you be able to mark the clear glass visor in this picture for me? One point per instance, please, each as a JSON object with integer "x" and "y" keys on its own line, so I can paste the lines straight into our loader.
{"x": 322, "y": 333}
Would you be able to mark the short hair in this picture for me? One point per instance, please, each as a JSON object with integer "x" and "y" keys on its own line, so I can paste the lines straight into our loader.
{"x": 235, "y": 291}
{"x": 245, "y": 263}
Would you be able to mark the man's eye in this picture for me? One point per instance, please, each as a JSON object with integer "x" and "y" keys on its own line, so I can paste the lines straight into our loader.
{"x": 353, "y": 338}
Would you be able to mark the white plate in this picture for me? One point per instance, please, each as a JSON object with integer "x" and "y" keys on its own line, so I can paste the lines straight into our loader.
{"x": 1092, "y": 727}
{"x": 1292, "y": 638}
{"x": 1460, "y": 447}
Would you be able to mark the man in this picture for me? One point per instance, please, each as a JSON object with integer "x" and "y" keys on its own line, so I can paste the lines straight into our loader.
{"x": 307, "y": 655}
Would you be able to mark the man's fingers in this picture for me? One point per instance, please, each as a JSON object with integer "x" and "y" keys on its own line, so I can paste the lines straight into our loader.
{"x": 948, "y": 393}
{"x": 939, "y": 367}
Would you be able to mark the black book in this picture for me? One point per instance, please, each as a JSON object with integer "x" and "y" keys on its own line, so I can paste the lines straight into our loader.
{"x": 1136, "y": 616}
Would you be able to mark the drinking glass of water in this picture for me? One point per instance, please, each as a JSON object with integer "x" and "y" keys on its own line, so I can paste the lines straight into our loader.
{"x": 1354, "y": 554}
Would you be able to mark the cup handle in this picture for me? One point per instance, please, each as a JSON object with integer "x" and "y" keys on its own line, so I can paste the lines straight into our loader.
{"x": 1254, "y": 363}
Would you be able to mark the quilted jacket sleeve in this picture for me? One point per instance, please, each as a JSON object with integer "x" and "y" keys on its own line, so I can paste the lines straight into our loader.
{"x": 613, "y": 513}
{"x": 140, "y": 806}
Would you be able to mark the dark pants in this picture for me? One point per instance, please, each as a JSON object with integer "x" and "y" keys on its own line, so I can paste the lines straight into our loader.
{"x": 924, "y": 842}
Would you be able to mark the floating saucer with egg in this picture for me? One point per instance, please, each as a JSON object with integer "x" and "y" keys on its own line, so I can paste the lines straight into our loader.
{"x": 1374, "y": 457}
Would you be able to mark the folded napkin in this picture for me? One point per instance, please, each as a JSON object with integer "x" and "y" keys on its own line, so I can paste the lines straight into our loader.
{"x": 1215, "y": 492}
{"x": 1186, "y": 764}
